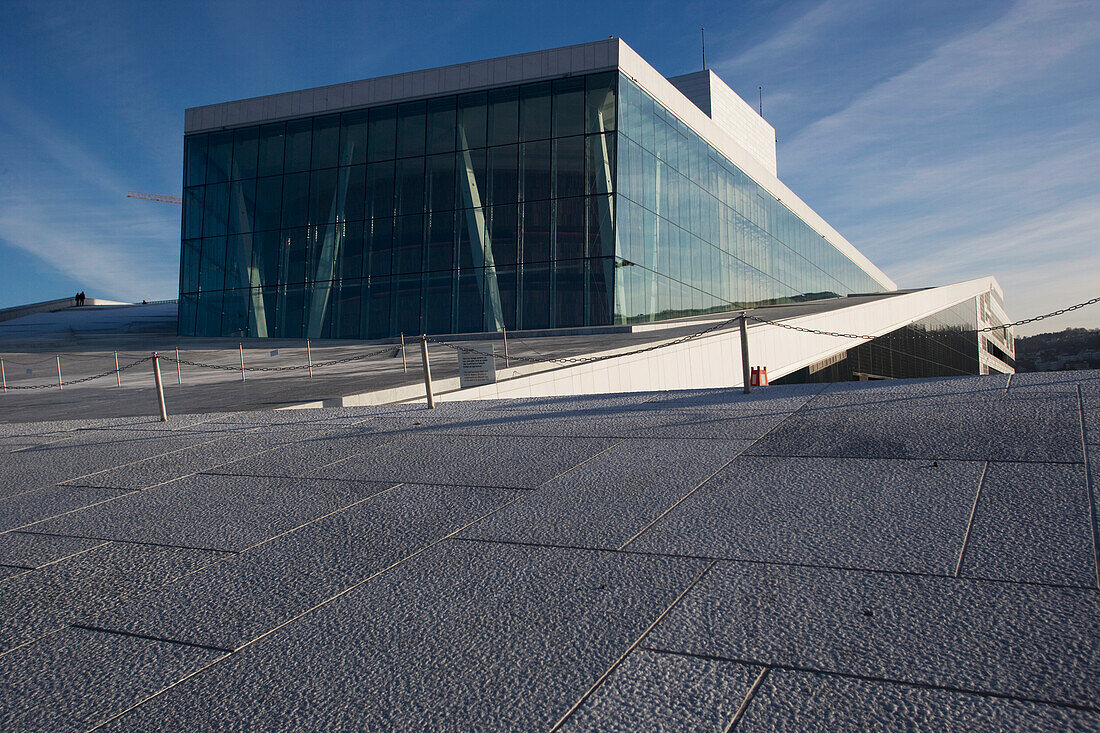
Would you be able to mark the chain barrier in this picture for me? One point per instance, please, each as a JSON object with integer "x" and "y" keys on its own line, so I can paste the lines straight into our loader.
{"x": 292, "y": 367}
{"x": 82, "y": 379}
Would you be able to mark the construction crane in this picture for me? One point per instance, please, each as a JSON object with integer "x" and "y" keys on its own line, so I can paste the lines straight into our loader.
{"x": 162, "y": 197}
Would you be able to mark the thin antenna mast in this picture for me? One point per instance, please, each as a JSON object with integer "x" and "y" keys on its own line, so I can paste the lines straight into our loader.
{"x": 761, "y": 89}
{"x": 703, "y": 41}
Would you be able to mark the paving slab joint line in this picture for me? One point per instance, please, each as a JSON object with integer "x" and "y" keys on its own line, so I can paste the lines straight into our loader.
{"x": 23, "y": 527}
{"x": 110, "y": 540}
{"x": 148, "y": 637}
{"x": 637, "y": 643}
{"x": 748, "y": 700}
{"x": 1089, "y": 487}
{"x": 872, "y": 678}
{"x": 739, "y": 453}
{"x": 970, "y": 522}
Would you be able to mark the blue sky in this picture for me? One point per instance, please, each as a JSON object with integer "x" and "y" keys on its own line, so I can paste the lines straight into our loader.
{"x": 946, "y": 140}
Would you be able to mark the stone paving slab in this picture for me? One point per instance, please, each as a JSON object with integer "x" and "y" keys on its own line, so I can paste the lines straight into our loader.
{"x": 785, "y": 398}
{"x": 1002, "y": 429}
{"x": 1055, "y": 381}
{"x": 36, "y": 603}
{"x": 508, "y": 462}
{"x": 31, "y": 507}
{"x": 652, "y": 691}
{"x": 35, "y": 550}
{"x": 7, "y": 571}
{"x": 470, "y": 636}
{"x": 74, "y": 679}
{"x": 1033, "y": 523}
{"x": 871, "y": 514}
{"x": 605, "y": 501}
{"x": 216, "y": 512}
{"x": 1027, "y": 641}
{"x": 805, "y": 701}
{"x": 231, "y": 603}
{"x": 305, "y": 453}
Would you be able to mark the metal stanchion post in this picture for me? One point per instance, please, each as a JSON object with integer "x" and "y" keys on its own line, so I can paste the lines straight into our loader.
{"x": 745, "y": 352}
{"x": 3, "y": 375}
{"x": 118, "y": 377}
{"x": 179, "y": 378}
{"x": 505, "y": 346}
{"x": 309, "y": 359}
{"x": 160, "y": 387}
{"x": 240, "y": 347}
{"x": 404, "y": 364}
{"x": 427, "y": 371}
{"x": 59, "y": 372}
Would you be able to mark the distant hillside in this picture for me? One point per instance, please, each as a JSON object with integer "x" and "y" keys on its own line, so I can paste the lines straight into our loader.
{"x": 1074, "y": 348}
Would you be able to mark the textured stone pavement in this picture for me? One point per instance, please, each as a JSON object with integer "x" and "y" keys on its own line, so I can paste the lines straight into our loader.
{"x": 901, "y": 555}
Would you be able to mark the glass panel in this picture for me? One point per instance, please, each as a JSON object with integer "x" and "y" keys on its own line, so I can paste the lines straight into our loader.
{"x": 353, "y": 139}
{"x": 345, "y": 309}
{"x": 471, "y": 121}
{"x": 322, "y": 253}
{"x": 504, "y": 234}
{"x": 187, "y": 307}
{"x": 410, "y": 129}
{"x": 536, "y": 232}
{"x": 569, "y": 294}
{"x": 535, "y": 297}
{"x": 317, "y": 318}
{"x": 470, "y": 178}
{"x": 379, "y": 243}
{"x": 408, "y": 243}
{"x": 438, "y": 299}
{"x": 568, "y": 167}
{"x": 215, "y": 210}
{"x": 272, "y": 139}
{"x": 378, "y": 308}
{"x": 326, "y": 141}
{"x": 242, "y": 205}
{"x": 322, "y": 196}
{"x": 349, "y": 251}
{"x": 262, "y": 306}
{"x": 507, "y": 286}
{"x": 569, "y": 228}
{"x": 406, "y": 304}
{"x": 535, "y": 170}
{"x": 503, "y": 116}
{"x": 235, "y": 313}
{"x": 295, "y": 200}
{"x": 299, "y": 137}
{"x": 265, "y": 259}
{"x": 534, "y": 111}
{"x": 246, "y": 143}
{"x": 208, "y": 320}
{"x": 292, "y": 255}
{"x": 192, "y": 212}
{"x": 440, "y": 241}
{"x": 440, "y": 182}
{"x": 600, "y": 164}
{"x": 601, "y": 237}
{"x": 189, "y": 267}
{"x": 219, "y": 156}
{"x": 503, "y": 175}
{"x": 379, "y": 185}
{"x": 470, "y": 234}
{"x": 568, "y": 106}
{"x": 469, "y": 309}
{"x": 289, "y": 312}
{"x": 269, "y": 203}
{"x": 382, "y": 138}
{"x": 601, "y": 274}
{"x": 600, "y": 102}
{"x": 212, "y": 264}
{"x": 351, "y": 193}
{"x": 409, "y": 186}
{"x": 237, "y": 260}
{"x": 441, "y": 125}
{"x": 194, "y": 160}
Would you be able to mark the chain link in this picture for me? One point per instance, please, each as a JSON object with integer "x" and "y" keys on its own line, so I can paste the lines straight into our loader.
{"x": 82, "y": 379}
{"x": 292, "y": 367}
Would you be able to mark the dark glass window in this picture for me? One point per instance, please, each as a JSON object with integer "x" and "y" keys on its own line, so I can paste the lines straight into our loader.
{"x": 269, "y": 203}
{"x": 507, "y": 282}
{"x": 289, "y": 311}
{"x": 238, "y": 255}
{"x": 569, "y": 106}
{"x": 410, "y": 129}
{"x": 382, "y": 137}
{"x": 536, "y": 232}
{"x": 503, "y": 116}
{"x": 535, "y": 300}
{"x": 601, "y": 164}
{"x": 471, "y": 121}
{"x": 440, "y": 241}
{"x": 295, "y": 200}
{"x": 322, "y": 196}
{"x": 568, "y": 167}
{"x": 569, "y": 228}
{"x": 569, "y": 294}
{"x": 440, "y": 183}
{"x": 350, "y": 247}
{"x": 470, "y": 237}
{"x": 409, "y": 186}
{"x": 353, "y": 140}
{"x": 235, "y": 313}
{"x": 406, "y": 304}
{"x": 265, "y": 257}
{"x": 345, "y": 309}
{"x": 194, "y": 160}
{"x": 326, "y": 141}
{"x": 470, "y": 177}
{"x": 262, "y": 309}
{"x": 293, "y": 249}
{"x": 299, "y": 138}
{"x": 351, "y": 193}
{"x": 378, "y": 308}
{"x": 503, "y": 175}
{"x": 189, "y": 270}
{"x": 504, "y": 234}
{"x": 219, "y": 157}
{"x": 215, "y": 210}
{"x": 408, "y": 243}
{"x": 242, "y": 206}
{"x": 272, "y": 140}
{"x": 470, "y": 309}
{"x": 246, "y": 143}
{"x": 379, "y": 185}
{"x": 379, "y": 239}
{"x": 192, "y": 212}
{"x": 535, "y": 170}
{"x": 212, "y": 264}
{"x": 321, "y": 256}
{"x": 600, "y": 101}
{"x": 209, "y": 316}
{"x": 441, "y": 125}
{"x": 534, "y": 111}
{"x": 188, "y": 305}
{"x": 438, "y": 300}
{"x": 601, "y": 278}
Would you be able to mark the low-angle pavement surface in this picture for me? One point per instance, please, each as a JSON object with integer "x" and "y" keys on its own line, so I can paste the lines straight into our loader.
{"x": 915, "y": 554}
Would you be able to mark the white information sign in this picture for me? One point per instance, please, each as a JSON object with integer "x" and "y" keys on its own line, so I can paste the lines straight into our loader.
{"x": 476, "y": 369}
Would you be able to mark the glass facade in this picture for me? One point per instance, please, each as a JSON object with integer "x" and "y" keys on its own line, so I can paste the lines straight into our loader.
{"x": 573, "y": 202}
{"x": 944, "y": 344}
